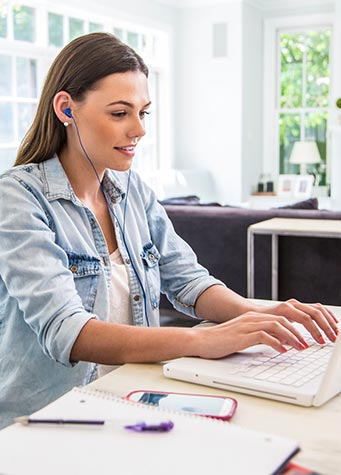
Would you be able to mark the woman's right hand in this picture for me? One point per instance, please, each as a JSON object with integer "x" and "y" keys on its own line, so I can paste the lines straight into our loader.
{"x": 251, "y": 328}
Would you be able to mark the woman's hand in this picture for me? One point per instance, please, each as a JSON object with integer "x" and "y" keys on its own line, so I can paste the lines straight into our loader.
{"x": 249, "y": 323}
{"x": 270, "y": 325}
{"x": 314, "y": 317}
{"x": 249, "y": 329}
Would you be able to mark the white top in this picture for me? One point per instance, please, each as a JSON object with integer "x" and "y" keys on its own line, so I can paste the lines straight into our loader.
{"x": 119, "y": 297}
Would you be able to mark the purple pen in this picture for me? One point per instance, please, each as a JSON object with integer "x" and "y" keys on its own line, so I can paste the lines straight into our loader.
{"x": 144, "y": 427}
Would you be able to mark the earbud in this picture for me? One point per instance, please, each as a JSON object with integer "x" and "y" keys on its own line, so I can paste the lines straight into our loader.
{"x": 68, "y": 112}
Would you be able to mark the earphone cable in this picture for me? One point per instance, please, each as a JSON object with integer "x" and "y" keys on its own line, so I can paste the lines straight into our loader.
{"x": 122, "y": 229}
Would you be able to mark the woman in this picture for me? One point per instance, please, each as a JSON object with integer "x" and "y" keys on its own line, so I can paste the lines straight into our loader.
{"x": 85, "y": 249}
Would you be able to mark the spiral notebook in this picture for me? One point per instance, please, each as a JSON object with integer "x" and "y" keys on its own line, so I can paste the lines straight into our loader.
{"x": 196, "y": 444}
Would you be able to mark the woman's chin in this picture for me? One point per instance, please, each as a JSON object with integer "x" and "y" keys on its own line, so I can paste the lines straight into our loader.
{"x": 121, "y": 168}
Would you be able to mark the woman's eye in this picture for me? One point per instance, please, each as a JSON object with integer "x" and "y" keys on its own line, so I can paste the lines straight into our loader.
{"x": 121, "y": 114}
{"x": 144, "y": 113}
{"x": 118, "y": 114}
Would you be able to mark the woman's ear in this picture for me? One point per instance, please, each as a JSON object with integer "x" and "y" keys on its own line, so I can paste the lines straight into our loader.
{"x": 62, "y": 101}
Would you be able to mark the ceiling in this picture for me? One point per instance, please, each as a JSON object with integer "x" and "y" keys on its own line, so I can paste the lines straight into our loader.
{"x": 263, "y": 4}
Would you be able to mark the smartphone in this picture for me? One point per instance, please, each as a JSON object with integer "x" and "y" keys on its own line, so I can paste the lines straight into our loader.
{"x": 218, "y": 407}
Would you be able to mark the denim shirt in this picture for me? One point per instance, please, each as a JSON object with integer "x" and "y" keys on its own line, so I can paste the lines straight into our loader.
{"x": 55, "y": 274}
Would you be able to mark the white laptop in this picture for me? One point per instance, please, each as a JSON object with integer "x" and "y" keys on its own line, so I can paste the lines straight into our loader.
{"x": 307, "y": 378}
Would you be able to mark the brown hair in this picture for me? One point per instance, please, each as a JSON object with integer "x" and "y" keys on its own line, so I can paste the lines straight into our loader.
{"x": 76, "y": 69}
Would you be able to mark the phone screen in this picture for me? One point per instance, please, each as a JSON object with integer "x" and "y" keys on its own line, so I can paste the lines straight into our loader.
{"x": 196, "y": 404}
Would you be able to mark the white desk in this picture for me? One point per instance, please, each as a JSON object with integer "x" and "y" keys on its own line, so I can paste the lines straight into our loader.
{"x": 327, "y": 228}
{"x": 316, "y": 429}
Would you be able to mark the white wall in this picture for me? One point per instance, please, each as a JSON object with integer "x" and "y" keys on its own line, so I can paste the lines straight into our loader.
{"x": 293, "y": 7}
{"x": 219, "y": 101}
{"x": 252, "y": 99}
{"x": 207, "y": 110}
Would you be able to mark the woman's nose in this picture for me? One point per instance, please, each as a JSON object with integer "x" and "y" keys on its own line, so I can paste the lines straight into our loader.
{"x": 138, "y": 129}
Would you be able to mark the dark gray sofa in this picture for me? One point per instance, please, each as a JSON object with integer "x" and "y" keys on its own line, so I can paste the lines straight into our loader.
{"x": 309, "y": 268}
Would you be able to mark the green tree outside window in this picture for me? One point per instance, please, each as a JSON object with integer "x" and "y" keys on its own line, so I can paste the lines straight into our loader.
{"x": 24, "y": 28}
{"x": 95, "y": 27}
{"x": 76, "y": 28}
{"x": 55, "y": 29}
{"x": 3, "y": 20}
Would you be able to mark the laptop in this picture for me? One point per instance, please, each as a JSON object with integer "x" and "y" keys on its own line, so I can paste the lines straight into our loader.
{"x": 307, "y": 378}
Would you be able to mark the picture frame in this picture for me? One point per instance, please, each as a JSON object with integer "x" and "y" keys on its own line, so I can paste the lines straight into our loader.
{"x": 286, "y": 185}
{"x": 303, "y": 186}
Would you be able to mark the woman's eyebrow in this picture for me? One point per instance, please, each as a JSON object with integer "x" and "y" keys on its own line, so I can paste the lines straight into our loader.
{"x": 128, "y": 104}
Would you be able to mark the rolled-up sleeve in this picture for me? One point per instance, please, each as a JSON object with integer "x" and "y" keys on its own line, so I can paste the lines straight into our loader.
{"x": 34, "y": 270}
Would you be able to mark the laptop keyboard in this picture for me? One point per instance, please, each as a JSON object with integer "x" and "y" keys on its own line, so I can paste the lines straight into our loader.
{"x": 292, "y": 368}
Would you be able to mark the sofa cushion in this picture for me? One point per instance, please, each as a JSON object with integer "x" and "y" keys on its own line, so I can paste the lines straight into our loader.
{"x": 312, "y": 203}
{"x": 181, "y": 200}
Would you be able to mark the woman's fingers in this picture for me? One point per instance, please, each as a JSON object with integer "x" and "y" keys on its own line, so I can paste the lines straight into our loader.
{"x": 314, "y": 317}
{"x": 255, "y": 328}
{"x": 270, "y": 329}
{"x": 322, "y": 316}
{"x": 262, "y": 337}
{"x": 280, "y": 329}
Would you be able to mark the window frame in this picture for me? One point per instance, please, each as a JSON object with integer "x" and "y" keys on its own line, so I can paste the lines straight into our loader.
{"x": 271, "y": 69}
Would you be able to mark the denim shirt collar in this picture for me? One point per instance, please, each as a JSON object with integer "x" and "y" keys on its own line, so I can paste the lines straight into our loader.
{"x": 56, "y": 183}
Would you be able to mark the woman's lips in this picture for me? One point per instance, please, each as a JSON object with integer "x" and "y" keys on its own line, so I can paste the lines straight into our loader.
{"x": 128, "y": 150}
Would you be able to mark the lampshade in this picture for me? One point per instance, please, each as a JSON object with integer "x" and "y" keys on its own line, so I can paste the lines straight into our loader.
{"x": 303, "y": 153}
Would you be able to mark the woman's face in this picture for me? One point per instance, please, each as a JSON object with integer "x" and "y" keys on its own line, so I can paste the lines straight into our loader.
{"x": 111, "y": 120}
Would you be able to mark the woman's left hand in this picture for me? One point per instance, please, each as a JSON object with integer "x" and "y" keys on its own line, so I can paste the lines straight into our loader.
{"x": 314, "y": 317}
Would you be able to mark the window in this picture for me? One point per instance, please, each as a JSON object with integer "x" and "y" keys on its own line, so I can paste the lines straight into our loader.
{"x": 95, "y": 27}
{"x": 31, "y": 36}
{"x": 3, "y": 21}
{"x": 18, "y": 99}
{"x": 296, "y": 92}
{"x": 303, "y": 99}
{"x": 24, "y": 28}
{"x": 76, "y": 28}
{"x": 55, "y": 30}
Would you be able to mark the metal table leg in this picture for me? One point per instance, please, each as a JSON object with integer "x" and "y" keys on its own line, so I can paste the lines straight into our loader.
{"x": 250, "y": 265}
{"x": 274, "y": 272}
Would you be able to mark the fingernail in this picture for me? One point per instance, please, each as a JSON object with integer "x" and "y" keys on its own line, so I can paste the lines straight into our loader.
{"x": 337, "y": 331}
{"x": 283, "y": 349}
{"x": 302, "y": 347}
{"x": 333, "y": 338}
{"x": 321, "y": 340}
{"x": 306, "y": 344}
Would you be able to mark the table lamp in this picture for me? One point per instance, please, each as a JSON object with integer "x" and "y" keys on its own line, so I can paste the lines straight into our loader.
{"x": 303, "y": 153}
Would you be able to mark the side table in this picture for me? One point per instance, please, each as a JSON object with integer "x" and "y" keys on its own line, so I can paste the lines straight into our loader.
{"x": 275, "y": 227}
